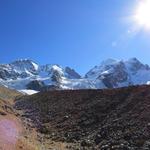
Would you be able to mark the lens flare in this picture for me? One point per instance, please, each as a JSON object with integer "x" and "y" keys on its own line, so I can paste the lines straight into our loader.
{"x": 142, "y": 14}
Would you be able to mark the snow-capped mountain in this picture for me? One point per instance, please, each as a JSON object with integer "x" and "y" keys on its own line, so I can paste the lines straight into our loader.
{"x": 26, "y": 74}
{"x": 18, "y": 69}
{"x": 119, "y": 73}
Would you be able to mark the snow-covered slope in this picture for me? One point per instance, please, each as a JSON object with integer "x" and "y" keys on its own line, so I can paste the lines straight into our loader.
{"x": 119, "y": 73}
{"x": 28, "y": 92}
{"x": 27, "y": 75}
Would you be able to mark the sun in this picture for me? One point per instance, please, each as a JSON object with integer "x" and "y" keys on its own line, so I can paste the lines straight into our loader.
{"x": 142, "y": 14}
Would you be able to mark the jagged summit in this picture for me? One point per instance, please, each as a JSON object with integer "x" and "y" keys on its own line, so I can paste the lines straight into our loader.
{"x": 108, "y": 61}
{"x": 24, "y": 73}
{"x": 25, "y": 65}
{"x": 118, "y": 73}
{"x": 25, "y": 62}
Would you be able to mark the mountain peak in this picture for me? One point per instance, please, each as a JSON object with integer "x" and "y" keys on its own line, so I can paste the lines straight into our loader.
{"x": 133, "y": 60}
{"x": 25, "y": 64}
{"x": 23, "y": 60}
{"x": 108, "y": 61}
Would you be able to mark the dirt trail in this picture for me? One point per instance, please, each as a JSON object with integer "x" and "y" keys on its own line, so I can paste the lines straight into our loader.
{"x": 10, "y": 132}
{"x": 14, "y": 134}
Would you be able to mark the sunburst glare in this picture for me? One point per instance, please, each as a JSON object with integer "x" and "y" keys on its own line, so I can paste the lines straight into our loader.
{"x": 142, "y": 14}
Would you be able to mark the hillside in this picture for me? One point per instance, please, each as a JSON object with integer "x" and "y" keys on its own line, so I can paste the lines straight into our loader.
{"x": 6, "y": 100}
{"x": 13, "y": 133}
{"x": 8, "y": 94}
{"x": 116, "y": 119}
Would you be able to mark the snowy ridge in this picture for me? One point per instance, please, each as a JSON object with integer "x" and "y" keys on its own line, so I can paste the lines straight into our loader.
{"x": 27, "y": 76}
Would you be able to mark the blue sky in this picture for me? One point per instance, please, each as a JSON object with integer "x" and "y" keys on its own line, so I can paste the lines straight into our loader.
{"x": 76, "y": 33}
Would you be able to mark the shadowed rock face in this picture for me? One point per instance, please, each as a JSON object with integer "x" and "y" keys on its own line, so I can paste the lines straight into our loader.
{"x": 5, "y": 74}
{"x": 56, "y": 77}
{"x": 35, "y": 85}
{"x": 72, "y": 74}
{"x": 116, "y": 119}
{"x": 118, "y": 75}
{"x": 136, "y": 65}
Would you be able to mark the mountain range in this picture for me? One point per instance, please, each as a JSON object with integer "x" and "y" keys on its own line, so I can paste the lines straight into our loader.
{"x": 27, "y": 76}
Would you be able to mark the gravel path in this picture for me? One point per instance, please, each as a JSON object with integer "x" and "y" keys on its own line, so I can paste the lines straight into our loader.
{"x": 10, "y": 130}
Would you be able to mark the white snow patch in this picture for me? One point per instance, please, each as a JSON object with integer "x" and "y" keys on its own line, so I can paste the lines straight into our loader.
{"x": 35, "y": 66}
{"x": 28, "y": 92}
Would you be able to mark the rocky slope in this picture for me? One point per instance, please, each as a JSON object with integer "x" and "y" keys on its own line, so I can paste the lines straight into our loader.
{"x": 112, "y": 119}
{"x": 27, "y": 75}
{"x": 115, "y": 119}
{"x": 14, "y": 135}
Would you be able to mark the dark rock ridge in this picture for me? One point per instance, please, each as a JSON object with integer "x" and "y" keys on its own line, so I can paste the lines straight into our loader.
{"x": 35, "y": 85}
{"x": 119, "y": 75}
{"x": 72, "y": 73}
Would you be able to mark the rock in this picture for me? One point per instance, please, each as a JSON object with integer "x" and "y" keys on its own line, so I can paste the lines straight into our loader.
{"x": 35, "y": 85}
{"x": 3, "y": 113}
